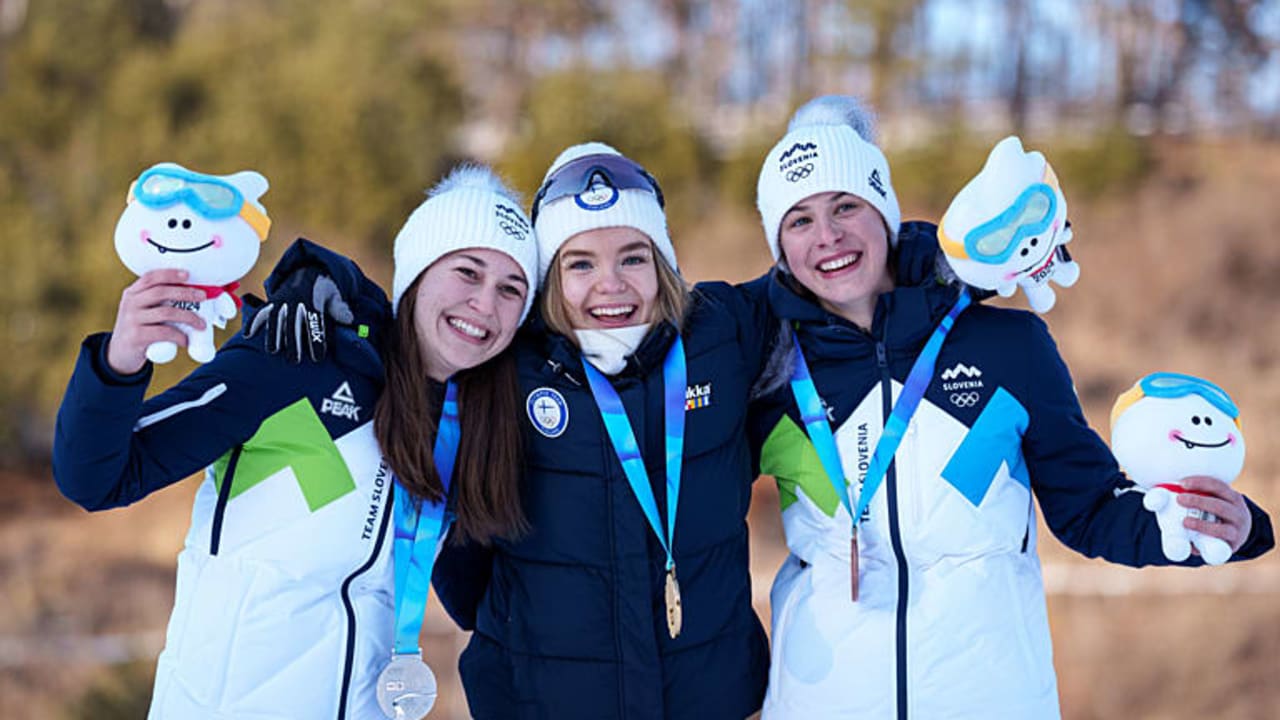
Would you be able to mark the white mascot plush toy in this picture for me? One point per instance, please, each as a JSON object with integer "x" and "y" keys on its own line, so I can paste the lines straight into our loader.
{"x": 1007, "y": 227}
{"x": 209, "y": 225}
{"x": 1170, "y": 426}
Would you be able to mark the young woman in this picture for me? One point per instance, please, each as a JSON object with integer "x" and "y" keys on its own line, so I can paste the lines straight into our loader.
{"x": 292, "y": 592}
{"x": 630, "y": 596}
{"x": 914, "y": 590}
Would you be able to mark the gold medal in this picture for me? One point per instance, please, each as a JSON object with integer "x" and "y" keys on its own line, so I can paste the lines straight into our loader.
{"x": 675, "y": 615}
{"x": 853, "y": 566}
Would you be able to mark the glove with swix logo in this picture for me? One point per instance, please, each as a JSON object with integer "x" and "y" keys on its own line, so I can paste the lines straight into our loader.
{"x": 211, "y": 226}
{"x": 1007, "y": 228}
{"x": 295, "y": 319}
{"x": 1168, "y": 427}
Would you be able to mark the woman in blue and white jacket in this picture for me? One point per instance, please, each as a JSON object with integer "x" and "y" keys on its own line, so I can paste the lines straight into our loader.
{"x": 286, "y": 601}
{"x": 949, "y": 618}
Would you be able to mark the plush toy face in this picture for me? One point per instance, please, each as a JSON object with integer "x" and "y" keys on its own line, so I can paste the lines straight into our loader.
{"x": 1003, "y": 226}
{"x": 1163, "y": 439}
{"x": 211, "y": 226}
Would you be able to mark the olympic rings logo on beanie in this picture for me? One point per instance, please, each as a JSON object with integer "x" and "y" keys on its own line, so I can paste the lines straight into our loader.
{"x": 511, "y": 221}
{"x": 470, "y": 208}
{"x": 827, "y": 148}
{"x": 795, "y": 155}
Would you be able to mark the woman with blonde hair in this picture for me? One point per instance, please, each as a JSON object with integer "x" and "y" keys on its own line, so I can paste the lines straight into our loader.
{"x": 630, "y": 596}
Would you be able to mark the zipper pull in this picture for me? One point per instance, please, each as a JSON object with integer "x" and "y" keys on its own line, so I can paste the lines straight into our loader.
{"x": 881, "y": 355}
{"x": 559, "y": 369}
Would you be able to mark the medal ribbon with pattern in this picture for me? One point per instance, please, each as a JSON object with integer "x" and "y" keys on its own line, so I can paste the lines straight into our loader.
{"x": 419, "y": 527}
{"x": 816, "y": 424}
{"x": 623, "y": 439}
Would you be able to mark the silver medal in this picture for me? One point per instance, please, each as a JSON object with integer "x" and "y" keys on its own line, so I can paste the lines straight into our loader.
{"x": 406, "y": 688}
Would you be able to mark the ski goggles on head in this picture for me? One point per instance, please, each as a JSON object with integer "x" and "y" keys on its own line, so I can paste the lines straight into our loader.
{"x": 994, "y": 241}
{"x": 594, "y": 182}
{"x": 211, "y": 197}
{"x": 1176, "y": 385}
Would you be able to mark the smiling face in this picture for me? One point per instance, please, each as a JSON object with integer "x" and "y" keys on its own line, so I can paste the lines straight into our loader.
{"x": 1161, "y": 440}
{"x": 215, "y": 252}
{"x": 837, "y": 246}
{"x": 467, "y": 309}
{"x": 608, "y": 278}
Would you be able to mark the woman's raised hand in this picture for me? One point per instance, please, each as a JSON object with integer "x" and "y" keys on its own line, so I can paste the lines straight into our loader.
{"x": 146, "y": 309}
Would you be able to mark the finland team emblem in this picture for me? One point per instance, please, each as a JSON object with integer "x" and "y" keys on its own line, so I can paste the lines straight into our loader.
{"x": 547, "y": 411}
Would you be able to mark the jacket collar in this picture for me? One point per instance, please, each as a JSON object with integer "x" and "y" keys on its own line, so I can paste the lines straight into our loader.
{"x": 562, "y": 352}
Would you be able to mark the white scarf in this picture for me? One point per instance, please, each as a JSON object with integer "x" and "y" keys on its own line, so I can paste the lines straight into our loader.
{"x": 608, "y": 349}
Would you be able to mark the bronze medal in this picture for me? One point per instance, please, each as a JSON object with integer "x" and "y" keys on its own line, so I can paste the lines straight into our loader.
{"x": 675, "y": 615}
{"x": 853, "y": 566}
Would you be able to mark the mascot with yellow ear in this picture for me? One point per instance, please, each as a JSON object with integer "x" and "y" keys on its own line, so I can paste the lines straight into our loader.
{"x": 209, "y": 225}
{"x": 1170, "y": 426}
{"x": 1008, "y": 226}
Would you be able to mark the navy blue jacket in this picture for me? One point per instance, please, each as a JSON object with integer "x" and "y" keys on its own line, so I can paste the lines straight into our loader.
{"x": 101, "y": 460}
{"x": 571, "y": 621}
{"x": 1072, "y": 471}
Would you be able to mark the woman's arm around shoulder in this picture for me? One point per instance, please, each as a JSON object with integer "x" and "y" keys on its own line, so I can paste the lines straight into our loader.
{"x": 111, "y": 448}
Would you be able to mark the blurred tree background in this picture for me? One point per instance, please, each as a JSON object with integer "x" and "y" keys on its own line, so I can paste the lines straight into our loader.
{"x": 353, "y": 108}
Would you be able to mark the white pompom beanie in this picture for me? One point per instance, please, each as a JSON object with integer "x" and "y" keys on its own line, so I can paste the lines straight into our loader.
{"x": 829, "y": 147}
{"x": 471, "y": 208}
{"x": 563, "y": 218}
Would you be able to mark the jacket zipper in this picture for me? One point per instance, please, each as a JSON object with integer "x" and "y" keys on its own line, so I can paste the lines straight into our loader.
{"x": 895, "y": 536}
{"x": 349, "y": 662}
{"x": 559, "y": 370}
{"x": 224, "y": 494}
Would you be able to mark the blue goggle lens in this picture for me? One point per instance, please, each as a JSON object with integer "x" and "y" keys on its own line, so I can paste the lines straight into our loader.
{"x": 592, "y": 172}
{"x": 1031, "y": 214}
{"x": 1176, "y": 385}
{"x": 212, "y": 197}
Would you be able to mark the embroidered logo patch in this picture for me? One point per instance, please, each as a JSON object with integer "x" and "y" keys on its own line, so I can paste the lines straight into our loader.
{"x": 697, "y": 396}
{"x": 341, "y": 403}
{"x": 548, "y": 411}
{"x": 510, "y": 221}
{"x": 797, "y": 162}
{"x": 961, "y": 369}
{"x": 963, "y": 382}
{"x": 876, "y": 183}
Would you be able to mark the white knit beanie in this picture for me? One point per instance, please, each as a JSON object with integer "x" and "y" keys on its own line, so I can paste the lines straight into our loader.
{"x": 829, "y": 147}
{"x": 470, "y": 208}
{"x": 565, "y": 217}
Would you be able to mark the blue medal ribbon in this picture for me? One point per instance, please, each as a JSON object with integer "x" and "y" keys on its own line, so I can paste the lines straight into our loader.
{"x": 623, "y": 439}
{"x": 419, "y": 526}
{"x": 819, "y": 429}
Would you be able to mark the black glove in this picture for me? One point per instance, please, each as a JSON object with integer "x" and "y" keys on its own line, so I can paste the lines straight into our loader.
{"x": 295, "y": 319}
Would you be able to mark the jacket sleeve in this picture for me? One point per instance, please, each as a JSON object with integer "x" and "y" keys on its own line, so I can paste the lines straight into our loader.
{"x": 461, "y": 578}
{"x": 1075, "y": 477}
{"x": 369, "y": 305}
{"x": 111, "y": 449}
{"x": 758, "y": 329}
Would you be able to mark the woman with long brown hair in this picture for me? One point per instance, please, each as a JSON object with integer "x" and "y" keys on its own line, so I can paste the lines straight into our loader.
{"x": 304, "y": 578}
